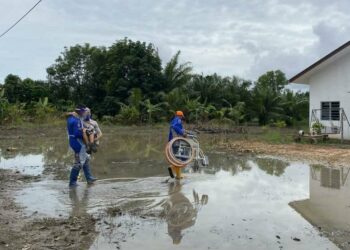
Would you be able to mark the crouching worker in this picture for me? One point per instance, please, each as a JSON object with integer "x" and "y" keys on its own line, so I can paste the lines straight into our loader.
{"x": 176, "y": 129}
{"x": 76, "y": 130}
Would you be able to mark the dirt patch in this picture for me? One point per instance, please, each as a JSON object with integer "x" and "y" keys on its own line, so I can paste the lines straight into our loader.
{"x": 18, "y": 231}
{"x": 76, "y": 232}
{"x": 323, "y": 154}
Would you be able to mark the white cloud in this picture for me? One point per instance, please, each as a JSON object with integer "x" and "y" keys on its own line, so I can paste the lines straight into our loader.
{"x": 244, "y": 38}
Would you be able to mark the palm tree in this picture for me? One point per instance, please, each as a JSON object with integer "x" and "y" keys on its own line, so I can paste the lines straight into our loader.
{"x": 235, "y": 113}
{"x": 268, "y": 105}
{"x": 177, "y": 75}
{"x": 194, "y": 109}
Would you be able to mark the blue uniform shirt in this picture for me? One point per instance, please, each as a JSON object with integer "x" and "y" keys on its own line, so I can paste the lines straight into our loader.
{"x": 175, "y": 126}
{"x": 75, "y": 133}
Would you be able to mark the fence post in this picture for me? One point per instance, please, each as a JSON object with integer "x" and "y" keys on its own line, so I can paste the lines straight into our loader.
{"x": 342, "y": 125}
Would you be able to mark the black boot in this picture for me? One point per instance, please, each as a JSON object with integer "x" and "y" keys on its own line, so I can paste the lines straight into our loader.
{"x": 93, "y": 147}
{"x": 88, "y": 148}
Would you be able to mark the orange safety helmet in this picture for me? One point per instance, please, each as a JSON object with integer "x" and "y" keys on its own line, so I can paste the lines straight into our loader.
{"x": 180, "y": 113}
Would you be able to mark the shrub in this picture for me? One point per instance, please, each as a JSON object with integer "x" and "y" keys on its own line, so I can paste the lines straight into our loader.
{"x": 317, "y": 127}
{"x": 128, "y": 115}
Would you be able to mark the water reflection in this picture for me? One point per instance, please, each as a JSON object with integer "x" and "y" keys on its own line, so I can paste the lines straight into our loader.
{"x": 79, "y": 205}
{"x": 328, "y": 206}
{"x": 180, "y": 212}
{"x": 125, "y": 153}
{"x": 31, "y": 164}
{"x": 272, "y": 166}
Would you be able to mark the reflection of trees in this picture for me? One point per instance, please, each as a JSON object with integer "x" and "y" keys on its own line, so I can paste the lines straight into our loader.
{"x": 119, "y": 147}
{"x": 231, "y": 163}
{"x": 54, "y": 149}
{"x": 272, "y": 166}
{"x": 180, "y": 212}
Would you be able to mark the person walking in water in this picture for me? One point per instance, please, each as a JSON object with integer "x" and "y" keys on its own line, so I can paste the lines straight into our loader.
{"x": 176, "y": 129}
{"x": 76, "y": 130}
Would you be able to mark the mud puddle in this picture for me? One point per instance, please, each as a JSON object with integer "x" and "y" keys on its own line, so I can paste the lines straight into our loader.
{"x": 240, "y": 202}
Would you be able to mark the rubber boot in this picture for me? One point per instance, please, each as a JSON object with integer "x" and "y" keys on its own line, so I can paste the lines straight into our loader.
{"x": 171, "y": 174}
{"x": 88, "y": 176}
{"x": 177, "y": 171}
{"x": 74, "y": 176}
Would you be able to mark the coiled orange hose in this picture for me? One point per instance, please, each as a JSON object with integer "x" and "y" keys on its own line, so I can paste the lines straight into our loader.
{"x": 172, "y": 159}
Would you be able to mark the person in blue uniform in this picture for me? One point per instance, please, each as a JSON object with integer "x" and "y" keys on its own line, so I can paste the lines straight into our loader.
{"x": 176, "y": 126}
{"x": 176, "y": 129}
{"x": 76, "y": 131}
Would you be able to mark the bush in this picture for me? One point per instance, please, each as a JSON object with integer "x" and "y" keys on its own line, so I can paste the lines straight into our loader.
{"x": 14, "y": 113}
{"x": 108, "y": 120}
{"x": 128, "y": 115}
{"x": 280, "y": 124}
{"x": 317, "y": 127}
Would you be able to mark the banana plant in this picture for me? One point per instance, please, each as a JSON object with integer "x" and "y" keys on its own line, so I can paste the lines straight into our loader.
{"x": 152, "y": 108}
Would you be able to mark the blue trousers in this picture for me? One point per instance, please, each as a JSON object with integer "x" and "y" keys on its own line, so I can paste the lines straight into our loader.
{"x": 81, "y": 162}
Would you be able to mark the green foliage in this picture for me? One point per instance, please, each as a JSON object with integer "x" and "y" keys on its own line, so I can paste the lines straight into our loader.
{"x": 128, "y": 115}
{"x": 317, "y": 127}
{"x": 176, "y": 75}
{"x": 151, "y": 108}
{"x": 126, "y": 83}
{"x": 3, "y": 105}
{"x": 14, "y": 113}
{"x": 280, "y": 124}
{"x": 43, "y": 110}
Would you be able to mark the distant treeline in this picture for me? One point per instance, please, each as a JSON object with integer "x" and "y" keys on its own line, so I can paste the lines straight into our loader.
{"x": 126, "y": 83}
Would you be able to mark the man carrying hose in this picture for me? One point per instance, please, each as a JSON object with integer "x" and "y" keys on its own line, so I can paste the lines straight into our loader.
{"x": 177, "y": 129}
{"x": 76, "y": 131}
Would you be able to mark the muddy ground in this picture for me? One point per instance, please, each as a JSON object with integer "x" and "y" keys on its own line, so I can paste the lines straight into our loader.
{"x": 20, "y": 230}
{"x": 323, "y": 154}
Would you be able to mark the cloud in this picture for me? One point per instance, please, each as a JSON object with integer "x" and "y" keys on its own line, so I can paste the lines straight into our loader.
{"x": 244, "y": 38}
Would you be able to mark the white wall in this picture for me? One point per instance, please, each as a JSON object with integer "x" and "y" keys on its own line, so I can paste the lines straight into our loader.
{"x": 332, "y": 83}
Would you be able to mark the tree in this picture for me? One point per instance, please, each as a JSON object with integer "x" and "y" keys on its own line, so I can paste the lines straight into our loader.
{"x": 267, "y": 97}
{"x": 275, "y": 81}
{"x": 79, "y": 74}
{"x": 134, "y": 65}
{"x": 296, "y": 106}
{"x": 13, "y": 88}
{"x": 176, "y": 75}
{"x": 3, "y": 105}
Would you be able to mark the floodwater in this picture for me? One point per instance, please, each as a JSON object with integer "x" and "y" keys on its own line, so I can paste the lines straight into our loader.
{"x": 238, "y": 202}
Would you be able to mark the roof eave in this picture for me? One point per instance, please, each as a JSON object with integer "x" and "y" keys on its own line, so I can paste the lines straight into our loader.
{"x": 304, "y": 74}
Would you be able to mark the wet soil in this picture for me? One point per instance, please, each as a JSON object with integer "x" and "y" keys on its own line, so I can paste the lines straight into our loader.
{"x": 324, "y": 154}
{"x": 239, "y": 200}
{"x": 21, "y": 231}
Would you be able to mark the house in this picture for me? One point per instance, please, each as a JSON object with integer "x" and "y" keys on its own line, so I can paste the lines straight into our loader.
{"x": 329, "y": 86}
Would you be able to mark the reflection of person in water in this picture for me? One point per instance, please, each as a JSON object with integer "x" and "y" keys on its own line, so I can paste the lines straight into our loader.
{"x": 79, "y": 206}
{"x": 180, "y": 212}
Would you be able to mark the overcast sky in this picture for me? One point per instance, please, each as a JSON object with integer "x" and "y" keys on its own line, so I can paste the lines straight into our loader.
{"x": 231, "y": 37}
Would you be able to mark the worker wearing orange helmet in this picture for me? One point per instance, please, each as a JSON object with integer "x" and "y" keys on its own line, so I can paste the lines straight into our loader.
{"x": 176, "y": 125}
{"x": 176, "y": 128}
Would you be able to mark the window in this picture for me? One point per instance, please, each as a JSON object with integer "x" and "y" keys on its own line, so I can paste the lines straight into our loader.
{"x": 330, "y": 111}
